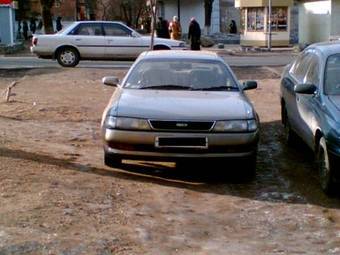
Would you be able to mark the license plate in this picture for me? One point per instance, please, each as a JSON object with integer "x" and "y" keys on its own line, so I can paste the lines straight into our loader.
{"x": 182, "y": 142}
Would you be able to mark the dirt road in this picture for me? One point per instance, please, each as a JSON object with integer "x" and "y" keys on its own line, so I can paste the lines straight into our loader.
{"x": 57, "y": 197}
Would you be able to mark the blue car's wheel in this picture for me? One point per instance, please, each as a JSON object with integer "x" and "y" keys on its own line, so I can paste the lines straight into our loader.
{"x": 326, "y": 172}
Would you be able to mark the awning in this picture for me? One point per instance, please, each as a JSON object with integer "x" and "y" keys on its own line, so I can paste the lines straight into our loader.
{"x": 261, "y": 3}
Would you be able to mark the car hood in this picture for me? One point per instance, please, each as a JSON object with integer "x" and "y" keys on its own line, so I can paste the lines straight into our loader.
{"x": 183, "y": 105}
{"x": 170, "y": 42}
{"x": 335, "y": 100}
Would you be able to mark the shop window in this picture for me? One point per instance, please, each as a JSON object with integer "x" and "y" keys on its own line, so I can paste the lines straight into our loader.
{"x": 243, "y": 20}
{"x": 255, "y": 19}
{"x": 279, "y": 19}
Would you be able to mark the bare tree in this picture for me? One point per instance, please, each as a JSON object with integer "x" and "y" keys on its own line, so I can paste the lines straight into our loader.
{"x": 46, "y": 6}
{"x": 208, "y": 6}
{"x": 129, "y": 11}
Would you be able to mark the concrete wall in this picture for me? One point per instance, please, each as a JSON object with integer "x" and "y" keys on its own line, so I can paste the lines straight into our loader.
{"x": 314, "y": 23}
{"x": 228, "y": 12}
{"x": 7, "y": 21}
{"x": 335, "y": 19}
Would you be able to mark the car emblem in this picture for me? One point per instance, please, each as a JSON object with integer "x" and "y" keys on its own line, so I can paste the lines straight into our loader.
{"x": 181, "y": 125}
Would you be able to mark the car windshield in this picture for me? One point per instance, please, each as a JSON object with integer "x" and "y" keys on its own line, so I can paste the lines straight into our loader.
{"x": 181, "y": 74}
{"x": 332, "y": 75}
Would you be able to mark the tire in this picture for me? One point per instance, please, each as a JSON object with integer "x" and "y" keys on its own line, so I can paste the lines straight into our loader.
{"x": 68, "y": 57}
{"x": 290, "y": 136}
{"x": 112, "y": 160}
{"x": 326, "y": 171}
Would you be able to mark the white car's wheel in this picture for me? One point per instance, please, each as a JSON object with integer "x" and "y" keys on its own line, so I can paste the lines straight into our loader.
{"x": 68, "y": 57}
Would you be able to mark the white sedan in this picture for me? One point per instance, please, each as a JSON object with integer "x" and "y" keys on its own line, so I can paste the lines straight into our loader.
{"x": 96, "y": 40}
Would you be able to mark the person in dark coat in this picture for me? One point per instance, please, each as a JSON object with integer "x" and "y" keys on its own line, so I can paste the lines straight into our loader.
{"x": 25, "y": 29}
{"x": 33, "y": 26}
{"x": 162, "y": 28}
{"x": 59, "y": 26}
{"x": 194, "y": 35}
{"x": 233, "y": 27}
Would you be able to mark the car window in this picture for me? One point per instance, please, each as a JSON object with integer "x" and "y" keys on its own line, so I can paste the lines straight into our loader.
{"x": 116, "y": 30}
{"x": 185, "y": 74}
{"x": 313, "y": 73}
{"x": 332, "y": 75}
{"x": 89, "y": 29}
{"x": 300, "y": 68}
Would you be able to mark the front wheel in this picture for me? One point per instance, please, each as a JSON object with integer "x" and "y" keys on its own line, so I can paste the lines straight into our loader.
{"x": 326, "y": 171}
{"x": 290, "y": 136}
{"x": 68, "y": 57}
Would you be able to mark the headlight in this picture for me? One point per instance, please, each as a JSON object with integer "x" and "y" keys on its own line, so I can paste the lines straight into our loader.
{"x": 235, "y": 126}
{"x": 126, "y": 123}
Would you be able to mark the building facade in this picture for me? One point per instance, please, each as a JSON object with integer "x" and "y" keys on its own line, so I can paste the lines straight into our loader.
{"x": 186, "y": 9}
{"x": 255, "y": 21}
{"x": 7, "y": 21}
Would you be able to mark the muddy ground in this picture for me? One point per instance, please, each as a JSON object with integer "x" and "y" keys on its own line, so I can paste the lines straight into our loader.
{"x": 57, "y": 197}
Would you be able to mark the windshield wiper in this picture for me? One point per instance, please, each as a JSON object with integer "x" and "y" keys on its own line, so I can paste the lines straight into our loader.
{"x": 167, "y": 86}
{"x": 219, "y": 88}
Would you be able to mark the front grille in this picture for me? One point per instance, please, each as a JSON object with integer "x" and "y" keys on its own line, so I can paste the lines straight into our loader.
{"x": 181, "y": 125}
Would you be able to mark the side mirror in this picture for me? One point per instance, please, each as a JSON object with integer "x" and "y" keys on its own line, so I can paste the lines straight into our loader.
{"x": 307, "y": 88}
{"x": 247, "y": 85}
{"x": 110, "y": 81}
{"x": 134, "y": 34}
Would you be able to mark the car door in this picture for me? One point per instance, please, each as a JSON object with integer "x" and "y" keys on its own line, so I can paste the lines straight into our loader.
{"x": 308, "y": 104}
{"x": 121, "y": 42}
{"x": 89, "y": 39}
{"x": 293, "y": 77}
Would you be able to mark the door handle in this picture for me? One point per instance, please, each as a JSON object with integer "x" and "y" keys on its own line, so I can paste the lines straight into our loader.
{"x": 78, "y": 39}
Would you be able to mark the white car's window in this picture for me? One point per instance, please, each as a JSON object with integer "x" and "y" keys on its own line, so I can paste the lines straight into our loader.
{"x": 188, "y": 74}
{"x": 116, "y": 30}
{"x": 89, "y": 29}
{"x": 332, "y": 75}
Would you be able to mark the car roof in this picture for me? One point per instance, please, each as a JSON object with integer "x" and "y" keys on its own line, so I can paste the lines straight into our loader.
{"x": 327, "y": 48}
{"x": 97, "y": 21}
{"x": 183, "y": 54}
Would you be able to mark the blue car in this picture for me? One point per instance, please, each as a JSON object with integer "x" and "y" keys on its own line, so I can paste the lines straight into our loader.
{"x": 310, "y": 107}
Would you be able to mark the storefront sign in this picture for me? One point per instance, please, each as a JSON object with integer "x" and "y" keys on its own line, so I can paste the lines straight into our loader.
{"x": 6, "y": 1}
{"x": 260, "y": 3}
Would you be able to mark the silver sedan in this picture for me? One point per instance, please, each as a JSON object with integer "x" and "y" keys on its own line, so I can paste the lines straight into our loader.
{"x": 176, "y": 105}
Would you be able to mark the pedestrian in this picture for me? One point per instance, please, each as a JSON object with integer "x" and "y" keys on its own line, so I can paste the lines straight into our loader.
{"x": 19, "y": 30}
{"x": 33, "y": 26}
{"x": 175, "y": 29}
{"x": 162, "y": 28}
{"x": 25, "y": 29}
{"x": 232, "y": 27}
{"x": 194, "y": 34}
{"x": 59, "y": 26}
{"x": 40, "y": 26}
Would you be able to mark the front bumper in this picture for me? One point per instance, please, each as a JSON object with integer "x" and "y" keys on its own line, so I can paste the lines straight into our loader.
{"x": 142, "y": 145}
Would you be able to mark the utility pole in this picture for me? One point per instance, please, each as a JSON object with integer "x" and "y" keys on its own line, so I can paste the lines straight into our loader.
{"x": 153, "y": 6}
{"x": 269, "y": 25}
